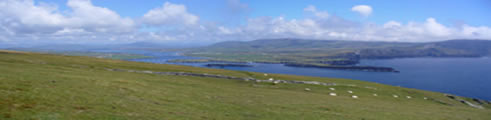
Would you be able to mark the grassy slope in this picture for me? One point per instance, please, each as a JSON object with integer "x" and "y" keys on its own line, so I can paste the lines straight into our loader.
{"x": 43, "y": 86}
{"x": 299, "y": 50}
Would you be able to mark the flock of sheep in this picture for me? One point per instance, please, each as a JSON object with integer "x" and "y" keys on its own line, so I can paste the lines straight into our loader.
{"x": 355, "y": 96}
{"x": 349, "y": 91}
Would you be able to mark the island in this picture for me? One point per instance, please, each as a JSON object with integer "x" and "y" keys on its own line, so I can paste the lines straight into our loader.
{"x": 228, "y": 65}
{"x": 341, "y": 67}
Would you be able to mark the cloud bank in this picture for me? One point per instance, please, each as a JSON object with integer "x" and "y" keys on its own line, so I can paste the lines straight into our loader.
{"x": 363, "y": 10}
{"x": 170, "y": 14}
{"x": 83, "y": 22}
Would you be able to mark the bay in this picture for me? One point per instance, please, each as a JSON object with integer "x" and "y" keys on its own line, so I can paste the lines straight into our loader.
{"x": 469, "y": 77}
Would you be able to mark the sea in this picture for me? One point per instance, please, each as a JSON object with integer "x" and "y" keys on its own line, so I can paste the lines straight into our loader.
{"x": 469, "y": 77}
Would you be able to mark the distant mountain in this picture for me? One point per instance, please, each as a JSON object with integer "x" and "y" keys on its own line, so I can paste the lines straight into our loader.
{"x": 340, "y": 49}
{"x": 335, "y": 52}
{"x": 303, "y": 44}
{"x": 450, "y": 48}
{"x": 480, "y": 47}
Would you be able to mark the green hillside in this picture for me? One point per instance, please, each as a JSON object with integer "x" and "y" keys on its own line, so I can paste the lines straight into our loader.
{"x": 309, "y": 51}
{"x": 49, "y": 87}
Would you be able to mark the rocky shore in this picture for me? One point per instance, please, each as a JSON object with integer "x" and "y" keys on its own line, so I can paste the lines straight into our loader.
{"x": 228, "y": 65}
{"x": 359, "y": 68}
{"x": 479, "y": 105}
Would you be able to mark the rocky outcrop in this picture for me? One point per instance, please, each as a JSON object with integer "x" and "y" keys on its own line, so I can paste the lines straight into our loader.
{"x": 478, "y": 101}
{"x": 359, "y": 68}
{"x": 464, "y": 101}
{"x": 225, "y": 77}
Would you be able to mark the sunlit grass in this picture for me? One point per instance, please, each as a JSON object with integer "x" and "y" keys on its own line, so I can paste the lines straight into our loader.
{"x": 44, "y": 86}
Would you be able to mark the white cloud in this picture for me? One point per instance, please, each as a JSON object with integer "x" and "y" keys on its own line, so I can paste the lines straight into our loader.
{"x": 99, "y": 19}
{"x": 428, "y": 30}
{"x": 481, "y": 31}
{"x": 312, "y": 9}
{"x": 435, "y": 28}
{"x": 224, "y": 30}
{"x": 170, "y": 14}
{"x": 364, "y": 10}
{"x": 392, "y": 24}
{"x": 69, "y": 31}
{"x": 25, "y": 17}
{"x": 25, "y": 20}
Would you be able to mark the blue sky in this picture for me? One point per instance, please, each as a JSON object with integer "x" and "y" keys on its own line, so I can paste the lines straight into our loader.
{"x": 449, "y": 12}
{"x": 107, "y": 21}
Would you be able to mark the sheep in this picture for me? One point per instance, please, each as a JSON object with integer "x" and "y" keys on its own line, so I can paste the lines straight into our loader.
{"x": 395, "y": 96}
{"x": 333, "y": 94}
{"x": 307, "y": 89}
{"x": 354, "y": 96}
{"x": 349, "y": 91}
{"x": 265, "y": 74}
{"x": 332, "y": 89}
{"x": 408, "y": 97}
{"x": 276, "y": 82}
{"x": 375, "y": 95}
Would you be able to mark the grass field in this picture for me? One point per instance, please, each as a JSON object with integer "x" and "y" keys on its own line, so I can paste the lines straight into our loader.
{"x": 117, "y": 56}
{"x": 47, "y": 87}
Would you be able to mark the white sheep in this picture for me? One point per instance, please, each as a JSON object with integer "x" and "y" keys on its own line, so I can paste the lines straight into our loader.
{"x": 408, "y": 97}
{"x": 332, "y": 89}
{"x": 276, "y": 82}
{"x": 425, "y": 98}
{"x": 395, "y": 96}
{"x": 333, "y": 94}
{"x": 307, "y": 89}
{"x": 375, "y": 95}
{"x": 265, "y": 74}
{"x": 354, "y": 96}
{"x": 349, "y": 91}
{"x": 271, "y": 79}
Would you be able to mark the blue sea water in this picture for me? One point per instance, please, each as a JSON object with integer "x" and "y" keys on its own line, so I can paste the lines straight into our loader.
{"x": 470, "y": 77}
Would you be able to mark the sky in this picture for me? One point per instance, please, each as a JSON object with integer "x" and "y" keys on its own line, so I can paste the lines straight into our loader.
{"x": 198, "y": 21}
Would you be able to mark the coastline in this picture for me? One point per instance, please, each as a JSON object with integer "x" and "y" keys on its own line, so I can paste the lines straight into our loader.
{"x": 337, "y": 65}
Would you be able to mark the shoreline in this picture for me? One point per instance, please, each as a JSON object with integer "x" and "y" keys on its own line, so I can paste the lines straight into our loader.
{"x": 343, "y": 65}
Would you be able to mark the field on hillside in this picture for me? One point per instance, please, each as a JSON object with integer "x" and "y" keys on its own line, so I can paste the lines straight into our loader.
{"x": 321, "y": 51}
{"x": 47, "y": 87}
